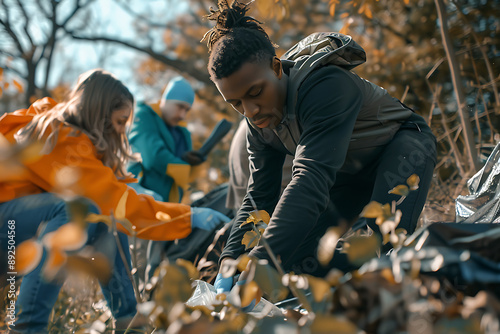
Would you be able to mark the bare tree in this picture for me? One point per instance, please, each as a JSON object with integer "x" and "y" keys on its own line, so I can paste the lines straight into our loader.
{"x": 30, "y": 32}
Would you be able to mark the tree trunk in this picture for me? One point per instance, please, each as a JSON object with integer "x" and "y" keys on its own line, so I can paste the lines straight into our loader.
{"x": 30, "y": 82}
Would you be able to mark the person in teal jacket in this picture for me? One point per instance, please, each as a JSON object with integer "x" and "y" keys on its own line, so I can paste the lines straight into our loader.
{"x": 165, "y": 146}
{"x": 167, "y": 162}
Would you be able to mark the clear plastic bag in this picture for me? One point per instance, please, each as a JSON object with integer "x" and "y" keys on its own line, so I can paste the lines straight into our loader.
{"x": 265, "y": 308}
{"x": 203, "y": 295}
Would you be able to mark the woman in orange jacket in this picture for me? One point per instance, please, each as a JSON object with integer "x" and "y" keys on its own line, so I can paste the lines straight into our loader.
{"x": 85, "y": 150}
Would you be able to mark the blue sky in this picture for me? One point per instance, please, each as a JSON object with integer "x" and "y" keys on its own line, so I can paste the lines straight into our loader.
{"x": 110, "y": 19}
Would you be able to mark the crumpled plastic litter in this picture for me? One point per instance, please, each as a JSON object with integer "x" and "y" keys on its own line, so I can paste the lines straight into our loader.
{"x": 204, "y": 295}
{"x": 482, "y": 205}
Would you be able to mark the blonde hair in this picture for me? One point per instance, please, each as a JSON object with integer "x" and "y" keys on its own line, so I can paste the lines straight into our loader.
{"x": 88, "y": 109}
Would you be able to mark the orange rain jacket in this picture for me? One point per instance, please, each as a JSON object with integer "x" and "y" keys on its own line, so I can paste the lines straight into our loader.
{"x": 89, "y": 178}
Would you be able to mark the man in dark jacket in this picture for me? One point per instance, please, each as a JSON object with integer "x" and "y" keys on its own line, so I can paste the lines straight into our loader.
{"x": 351, "y": 141}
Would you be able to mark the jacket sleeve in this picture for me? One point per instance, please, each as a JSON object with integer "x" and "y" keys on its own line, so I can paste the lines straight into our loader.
{"x": 264, "y": 188}
{"x": 327, "y": 121}
{"x": 146, "y": 140}
{"x": 73, "y": 166}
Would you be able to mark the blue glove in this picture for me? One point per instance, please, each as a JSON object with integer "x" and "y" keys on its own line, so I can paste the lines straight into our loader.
{"x": 206, "y": 218}
{"x": 223, "y": 284}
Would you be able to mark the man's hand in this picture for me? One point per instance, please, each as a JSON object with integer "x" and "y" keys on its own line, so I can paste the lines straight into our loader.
{"x": 194, "y": 158}
{"x": 223, "y": 284}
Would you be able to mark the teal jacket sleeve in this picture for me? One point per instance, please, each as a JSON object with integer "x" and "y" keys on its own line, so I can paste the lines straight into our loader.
{"x": 149, "y": 136}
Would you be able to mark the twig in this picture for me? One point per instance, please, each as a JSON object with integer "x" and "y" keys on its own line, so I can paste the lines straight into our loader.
{"x": 457, "y": 86}
{"x": 134, "y": 262}
{"x": 124, "y": 258}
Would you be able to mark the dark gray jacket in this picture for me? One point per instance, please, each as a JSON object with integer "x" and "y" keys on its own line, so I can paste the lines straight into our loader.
{"x": 339, "y": 123}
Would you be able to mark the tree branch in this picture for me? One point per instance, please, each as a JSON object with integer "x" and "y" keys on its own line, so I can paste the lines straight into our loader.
{"x": 26, "y": 23}
{"x": 481, "y": 49}
{"x": 77, "y": 8}
{"x": 140, "y": 17}
{"x": 176, "y": 64}
{"x": 12, "y": 35}
{"x": 11, "y": 69}
{"x": 42, "y": 9}
{"x": 377, "y": 22}
{"x": 50, "y": 45}
{"x": 457, "y": 85}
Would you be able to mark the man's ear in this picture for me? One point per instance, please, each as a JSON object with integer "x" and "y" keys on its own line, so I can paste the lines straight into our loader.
{"x": 277, "y": 67}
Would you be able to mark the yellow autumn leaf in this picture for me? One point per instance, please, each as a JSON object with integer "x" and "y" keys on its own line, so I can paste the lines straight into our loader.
{"x": 328, "y": 244}
{"x": 344, "y": 15}
{"x": 249, "y": 292}
{"x": 95, "y": 218}
{"x": 344, "y": 29}
{"x": 361, "y": 249}
{"x": 56, "y": 258}
{"x": 407, "y": 2}
{"x": 121, "y": 207}
{"x": 368, "y": 12}
{"x": 18, "y": 86}
{"x": 413, "y": 181}
{"x": 400, "y": 190}
{"x": 401, "y": 230}
{"x": 270, "y": 281}
{"x": 174, "y": 285}
{"x": 388, "y": 275}
{"x": 28, "y": 256}
{"x": 386, "y": 214}
{"x": 332, "y": 9}
{"x": 386, "y": 210}
{"x": 260, "y": 215}
{"x": 189, "y": 266}
{"x": 257, "y": 216}
{"x": 372, "y": 210}
{"x": 325, "y": 323}
{"x": 319, "y": 287}
{"x": 361, "y": 9}
{"x": 250, "y": 239}
{"x": 334, "y": 276}
{"x": 97, "y": 266}
{"x": 243, "y": 260}
{"x": 69, "y": 237}
{"x": 205, "y": 310}
{"x": 229, "y": 267}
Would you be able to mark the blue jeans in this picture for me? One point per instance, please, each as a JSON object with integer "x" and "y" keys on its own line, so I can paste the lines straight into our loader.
{"x": 37, "y": 296}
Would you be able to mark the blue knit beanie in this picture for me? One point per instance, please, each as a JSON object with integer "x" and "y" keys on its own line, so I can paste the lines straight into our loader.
{"x": 179, "y": 89}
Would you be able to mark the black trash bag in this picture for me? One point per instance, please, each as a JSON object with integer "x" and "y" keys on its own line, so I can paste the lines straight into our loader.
{"x": 468, "y": 255}
{"x": 216, "y": 199}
